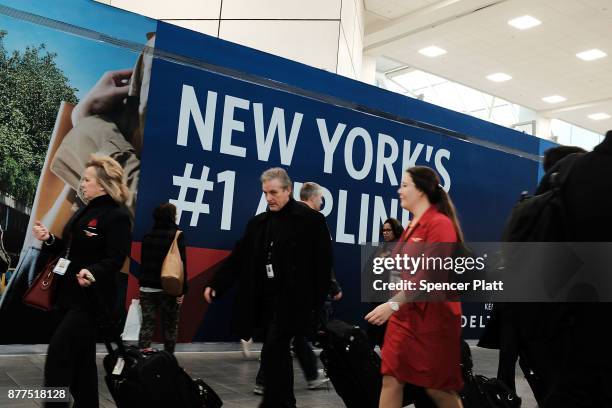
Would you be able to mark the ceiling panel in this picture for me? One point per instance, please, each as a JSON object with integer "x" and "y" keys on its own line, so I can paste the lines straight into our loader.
{"x": 541, "y": 60}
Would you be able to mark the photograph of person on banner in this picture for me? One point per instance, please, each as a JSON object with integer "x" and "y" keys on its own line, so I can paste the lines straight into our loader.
{"x": 99, "y": 109}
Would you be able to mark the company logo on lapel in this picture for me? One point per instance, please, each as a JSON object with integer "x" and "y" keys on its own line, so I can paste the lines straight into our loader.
{"x": 90, "y": 230}
{"x": 416, "y": 239}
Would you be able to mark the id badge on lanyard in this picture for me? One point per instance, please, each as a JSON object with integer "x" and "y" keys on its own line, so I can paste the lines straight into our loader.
{"x": 269, "y": 267}
{"x": 63, "y": 263}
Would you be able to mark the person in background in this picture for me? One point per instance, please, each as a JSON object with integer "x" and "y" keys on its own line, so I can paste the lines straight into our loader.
{"x": 512, "y": 325}
{"x": 311, "y": 194}
{"x": 282, "y": 266}
{"x": 422, "y": 341}
{"x": 96, "y": 241}
{"x": 153, "y": 299}
{"x": 580, "y": 353}
{"x": 391, "y": 231}
{"x": 555, "y": 154}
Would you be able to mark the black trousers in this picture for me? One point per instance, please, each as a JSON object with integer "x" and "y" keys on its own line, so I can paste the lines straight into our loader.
{"x": 71, "y": 359}
{"x": 305, "y": 356}
{"x": 277, "y": 367}
{"x": 584, "y": 377}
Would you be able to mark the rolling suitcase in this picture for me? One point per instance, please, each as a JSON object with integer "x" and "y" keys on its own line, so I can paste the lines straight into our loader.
{"x": 482, "y": 392}
{"x": 354, "y": 368}
{"x": 153, "y": 378}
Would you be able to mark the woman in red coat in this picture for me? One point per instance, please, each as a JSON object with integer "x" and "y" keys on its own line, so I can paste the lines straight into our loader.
{"x": 422, "y": 342}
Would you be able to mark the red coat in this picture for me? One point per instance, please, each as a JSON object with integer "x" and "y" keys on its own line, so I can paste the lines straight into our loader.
{"x": 422, "y": 341}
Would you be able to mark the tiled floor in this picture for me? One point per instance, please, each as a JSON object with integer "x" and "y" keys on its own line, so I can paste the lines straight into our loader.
{"x": 227, "y": 372}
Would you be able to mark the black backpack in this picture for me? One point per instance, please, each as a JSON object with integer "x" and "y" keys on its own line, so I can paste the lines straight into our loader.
{"x": 542, "y": 217}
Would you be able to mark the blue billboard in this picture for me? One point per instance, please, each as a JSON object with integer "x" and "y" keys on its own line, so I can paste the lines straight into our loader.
{"x": 220, "y": 114}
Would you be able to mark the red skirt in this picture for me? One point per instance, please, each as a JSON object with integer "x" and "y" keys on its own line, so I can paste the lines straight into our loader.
{"x": 423, "y": 345}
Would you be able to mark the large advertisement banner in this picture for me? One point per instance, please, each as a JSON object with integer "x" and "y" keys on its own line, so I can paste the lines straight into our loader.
{"x": 213, "y": 129}
{"x": 195, "y": 120}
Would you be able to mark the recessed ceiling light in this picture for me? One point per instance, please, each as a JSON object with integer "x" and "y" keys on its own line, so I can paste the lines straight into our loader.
{"x": 599, "y": 116}
{"x": 524, "y": 22}
{"x": 499, "y": 77}
{"x": 554, "y": 99}
{"x": 591, "y": 55}
{"x": 432, "y": 51}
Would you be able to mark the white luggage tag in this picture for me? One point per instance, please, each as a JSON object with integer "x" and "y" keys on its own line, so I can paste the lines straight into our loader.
{"x": 119, "y": 366}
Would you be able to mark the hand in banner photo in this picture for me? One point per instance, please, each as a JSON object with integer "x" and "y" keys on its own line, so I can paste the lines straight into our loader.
{"x": 106, "y": 96}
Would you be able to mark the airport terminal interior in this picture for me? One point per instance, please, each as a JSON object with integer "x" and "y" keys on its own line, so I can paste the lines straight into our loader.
{"x": 476, "y": 89}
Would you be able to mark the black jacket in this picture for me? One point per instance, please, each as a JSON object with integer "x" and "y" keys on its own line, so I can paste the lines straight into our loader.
{"x": 99, "y": 236}
{"x": 588, "y": 196}
{"x": 155, "y": 246}
{"x": 302, "y": 264}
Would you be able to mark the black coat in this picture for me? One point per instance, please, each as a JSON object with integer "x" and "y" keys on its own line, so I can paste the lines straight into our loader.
{"x": 303, "y": 263}
{"x": 100, "y": 239}
{"x": 538, "y": 331}
{"x": 588, "y": 196}
{"x": 155, "y": 246}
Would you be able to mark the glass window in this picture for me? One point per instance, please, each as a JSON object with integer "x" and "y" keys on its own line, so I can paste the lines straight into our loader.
{"x": 460, "y": 98}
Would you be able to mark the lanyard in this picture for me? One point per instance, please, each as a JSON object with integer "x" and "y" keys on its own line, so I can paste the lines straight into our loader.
{"x": 269, "y": 257}
{"x": 68, "y": 247}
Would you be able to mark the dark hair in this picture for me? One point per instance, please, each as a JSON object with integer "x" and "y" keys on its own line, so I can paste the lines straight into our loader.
{"x": 165, "y": 214}
{"x": 554, "y": 154}
{"x": 426, "y": 180}
{"x": 396, "y": 226}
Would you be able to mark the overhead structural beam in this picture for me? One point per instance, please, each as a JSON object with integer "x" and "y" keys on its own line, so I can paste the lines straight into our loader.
{"x": 380, "y": 35}
{"x": 572, "y": 108}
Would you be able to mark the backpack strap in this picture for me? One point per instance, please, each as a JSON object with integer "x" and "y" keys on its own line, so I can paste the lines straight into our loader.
{"x": 557, "y": 181}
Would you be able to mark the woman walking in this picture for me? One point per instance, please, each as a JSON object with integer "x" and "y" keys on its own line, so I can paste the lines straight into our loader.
{"x": 153, "y": 299}
{"x": 422, "y": 341}
{"x": 96, "y": 242}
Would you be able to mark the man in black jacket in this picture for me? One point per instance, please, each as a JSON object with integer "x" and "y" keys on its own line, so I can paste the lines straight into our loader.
{"x": 585, "y": 379}
{"x": 282, "y": 266}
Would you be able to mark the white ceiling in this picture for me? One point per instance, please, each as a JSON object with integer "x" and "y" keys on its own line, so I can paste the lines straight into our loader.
{"x": 542, "y": 60}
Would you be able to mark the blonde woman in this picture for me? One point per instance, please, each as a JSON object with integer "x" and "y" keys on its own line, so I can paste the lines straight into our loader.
{"x": 95, "y": 241}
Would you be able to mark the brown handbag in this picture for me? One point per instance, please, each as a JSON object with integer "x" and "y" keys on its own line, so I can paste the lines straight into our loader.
{"x": 172, "y": 272}
{"x": 41, "y": 294}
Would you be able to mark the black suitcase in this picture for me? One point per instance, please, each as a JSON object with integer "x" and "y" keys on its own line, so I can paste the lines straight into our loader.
{"x": 354, "y": 368}
{"x": 153, "y": 379}
{"x": 482, "y": 392}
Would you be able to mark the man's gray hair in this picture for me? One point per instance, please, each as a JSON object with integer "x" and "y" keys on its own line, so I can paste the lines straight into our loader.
{"x": 310, "y": 189}
{"x": 277, "y": 173}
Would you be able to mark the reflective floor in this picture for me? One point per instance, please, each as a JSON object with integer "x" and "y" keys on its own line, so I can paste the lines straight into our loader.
{"x": 222, "y": 366}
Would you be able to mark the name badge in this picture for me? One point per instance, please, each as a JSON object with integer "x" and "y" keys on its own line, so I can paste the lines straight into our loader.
{"x": 269, "y": 271}
{"x": 62, "y": 266}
